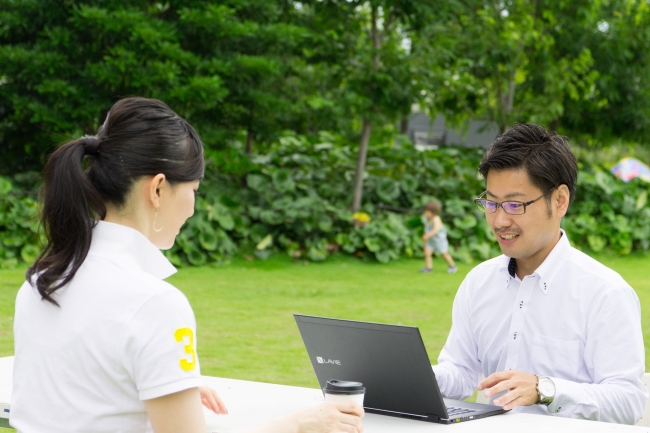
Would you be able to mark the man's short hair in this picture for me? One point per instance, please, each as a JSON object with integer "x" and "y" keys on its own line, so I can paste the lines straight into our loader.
{"x": 433, "y": 206}
{"x": 546, "y": 157}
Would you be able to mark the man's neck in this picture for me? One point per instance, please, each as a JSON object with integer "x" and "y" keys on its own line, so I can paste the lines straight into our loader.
{"x": 530, "y": 264}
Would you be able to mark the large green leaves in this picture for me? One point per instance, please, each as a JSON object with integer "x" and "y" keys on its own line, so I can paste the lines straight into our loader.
{"x": 311, "y": 220}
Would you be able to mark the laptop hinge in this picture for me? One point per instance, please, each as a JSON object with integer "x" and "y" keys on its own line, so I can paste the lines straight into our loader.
{"x": 433, "y": 418}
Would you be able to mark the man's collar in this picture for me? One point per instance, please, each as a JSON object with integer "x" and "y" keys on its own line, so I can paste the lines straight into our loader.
{"x": 130, "y": 249}
{"x": 554, "y": 262}
{"x": 547, "y": 271}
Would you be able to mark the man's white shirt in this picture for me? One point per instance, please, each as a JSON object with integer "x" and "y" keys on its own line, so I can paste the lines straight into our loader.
{"x": 120, "y": 336}
{"x": 573, "y": 320}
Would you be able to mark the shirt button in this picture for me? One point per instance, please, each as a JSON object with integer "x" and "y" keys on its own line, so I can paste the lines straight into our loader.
{"x": 558, "y": 409}
{"x": 515, "y": 336}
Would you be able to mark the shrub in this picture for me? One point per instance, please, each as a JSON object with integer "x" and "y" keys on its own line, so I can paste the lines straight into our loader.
{"x": 296, "y": 197}
{"x": 19, "y": 225}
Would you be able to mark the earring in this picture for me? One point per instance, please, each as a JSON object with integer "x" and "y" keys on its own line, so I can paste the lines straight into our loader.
{"x": 154, "y": 222}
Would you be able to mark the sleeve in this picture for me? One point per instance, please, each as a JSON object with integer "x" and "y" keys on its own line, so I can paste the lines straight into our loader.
{"x": 159, "y": 346}
{"x": 615, "y": 357}
{"x": 458, "y": 368}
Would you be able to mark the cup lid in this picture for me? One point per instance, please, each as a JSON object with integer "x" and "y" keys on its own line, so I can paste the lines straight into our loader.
{"x": 335, "y": 386}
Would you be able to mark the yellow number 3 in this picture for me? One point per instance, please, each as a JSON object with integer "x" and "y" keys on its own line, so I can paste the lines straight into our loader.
{"x": 180, "y": 335}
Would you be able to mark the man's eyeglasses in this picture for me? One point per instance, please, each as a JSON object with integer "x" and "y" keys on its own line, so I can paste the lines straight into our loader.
{"x": 509, "y": 207}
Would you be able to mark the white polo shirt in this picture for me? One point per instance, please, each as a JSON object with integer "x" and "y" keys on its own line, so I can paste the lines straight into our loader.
{"x": 573, "y": 319}
{"x": 120, "y": 336}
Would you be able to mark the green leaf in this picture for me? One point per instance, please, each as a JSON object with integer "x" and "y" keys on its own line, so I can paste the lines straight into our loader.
{"x": 596, "y": 243}
{"x": 265, "y": 243}
{"x": 387, "y": 189}
{"x": 5, "y": 186}
{"x": 257, "y": 182}
{"x": 433, "y": 166}
{"x": 208, "y": 240}
{"x": 225, "y": 220}
{"x": 29, "y": 253}
{"x": 383, "y": 256}
{"x": 465, "y": 223}
{"x": 316, "y": 254}
{"x": 263, "y": 254}
{"x": 373, "y": 244}
{"x": 283, "y": 182}
{"x": 641, "y": 200}
{"x": 271, "y": 217}
{"x": 325, "y": 223}
{"x": 196, "y": 257}
{"x": 409, "y": 183}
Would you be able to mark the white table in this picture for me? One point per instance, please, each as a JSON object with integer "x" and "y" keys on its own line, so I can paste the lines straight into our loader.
{"x": 252, "y": 403}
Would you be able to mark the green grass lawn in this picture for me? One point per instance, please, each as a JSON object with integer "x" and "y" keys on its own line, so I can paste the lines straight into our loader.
{"x": 244, "y": 310}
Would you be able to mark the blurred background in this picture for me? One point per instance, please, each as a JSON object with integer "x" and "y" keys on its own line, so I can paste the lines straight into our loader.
{"x": 327, "y": 125}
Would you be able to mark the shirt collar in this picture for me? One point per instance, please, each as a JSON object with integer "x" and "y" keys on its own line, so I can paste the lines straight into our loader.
{"x": 547, "y": 271}
{"x": 130, "y": 249}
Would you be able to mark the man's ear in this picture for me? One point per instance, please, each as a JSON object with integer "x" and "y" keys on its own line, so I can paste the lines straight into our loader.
{"x": 563, "y": 198}
{"x": 154, "y": 189}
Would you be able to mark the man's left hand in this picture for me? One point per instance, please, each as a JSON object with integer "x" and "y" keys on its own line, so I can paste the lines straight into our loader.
{"x": 522, "y": 386}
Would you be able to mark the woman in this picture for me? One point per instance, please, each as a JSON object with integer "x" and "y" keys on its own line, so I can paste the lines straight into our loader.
{"x": 102, "y": 343}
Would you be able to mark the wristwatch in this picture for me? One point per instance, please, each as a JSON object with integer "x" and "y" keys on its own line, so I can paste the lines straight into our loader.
{"x": 545, "y": 390}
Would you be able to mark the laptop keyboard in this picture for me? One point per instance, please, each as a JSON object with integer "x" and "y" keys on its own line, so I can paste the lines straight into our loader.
{"x": 455, "y": 411}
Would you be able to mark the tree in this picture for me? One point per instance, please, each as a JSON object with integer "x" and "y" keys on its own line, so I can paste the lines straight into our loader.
{"x": 374, "y": 72}
{"x": 619, "y": 40}
{"x": 227, "y": 68}
{"x": 501, "y": 61}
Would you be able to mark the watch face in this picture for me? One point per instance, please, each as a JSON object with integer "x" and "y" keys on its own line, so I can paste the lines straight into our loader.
{"x": 547, "y": 388}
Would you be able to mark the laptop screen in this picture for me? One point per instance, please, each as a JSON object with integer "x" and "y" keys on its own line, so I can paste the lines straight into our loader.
{"x": 390, "y": 360}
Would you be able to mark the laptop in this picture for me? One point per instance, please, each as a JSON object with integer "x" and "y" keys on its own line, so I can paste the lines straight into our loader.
{"x": 391, "y": 362}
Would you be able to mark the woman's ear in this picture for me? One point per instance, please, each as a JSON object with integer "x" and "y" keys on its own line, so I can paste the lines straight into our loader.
{"x": 154, "y": 189}
{"x": 563, "y": 200}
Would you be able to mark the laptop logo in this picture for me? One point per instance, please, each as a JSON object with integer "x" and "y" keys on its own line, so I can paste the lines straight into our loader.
{"x": 322, "y": 360}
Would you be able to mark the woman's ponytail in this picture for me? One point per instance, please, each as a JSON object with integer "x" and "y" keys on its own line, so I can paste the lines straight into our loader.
{"x": 70, "y": 206}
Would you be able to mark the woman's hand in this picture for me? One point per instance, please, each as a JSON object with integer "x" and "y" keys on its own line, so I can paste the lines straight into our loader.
{"x": 329, "y": 418}
{"x": 211, "y": 400}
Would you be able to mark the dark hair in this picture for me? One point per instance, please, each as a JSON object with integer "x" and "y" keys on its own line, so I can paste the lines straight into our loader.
{"x": 433, "y": 206}
{"x": 141, "y": 137}
{"x": 545, "y": 155}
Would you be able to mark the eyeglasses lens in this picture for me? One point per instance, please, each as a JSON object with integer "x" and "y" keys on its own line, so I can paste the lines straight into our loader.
{"x": 513, "y": 207}
{"x": 485, "y": 205}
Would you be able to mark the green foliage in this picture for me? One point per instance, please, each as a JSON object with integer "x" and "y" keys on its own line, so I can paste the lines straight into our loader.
{"x": 19, "y": 225}
{"x": 229, "y": 68}
{"x": 580, "y": 66}
{"x": 609, "y": 213}
{"x": 295, "y": 199}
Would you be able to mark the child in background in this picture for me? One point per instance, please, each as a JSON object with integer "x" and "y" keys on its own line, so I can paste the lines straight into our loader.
{"x": 435, "y": 238}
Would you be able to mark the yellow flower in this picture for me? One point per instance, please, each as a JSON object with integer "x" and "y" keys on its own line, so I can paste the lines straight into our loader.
{"x": 362, "y": 217}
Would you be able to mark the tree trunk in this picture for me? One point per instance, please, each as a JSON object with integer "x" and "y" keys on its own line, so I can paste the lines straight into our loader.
{"x": 554, "y": 124}
{"x": 404, "y": 125}
{"x": 249, "y": 142}
{"x": 506, "y": 102}
{"x": 361, "y": 165}
{"x": 365, "y": 131}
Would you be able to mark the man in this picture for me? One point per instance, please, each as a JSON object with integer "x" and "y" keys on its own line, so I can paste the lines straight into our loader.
{"x": 553, "y": 331}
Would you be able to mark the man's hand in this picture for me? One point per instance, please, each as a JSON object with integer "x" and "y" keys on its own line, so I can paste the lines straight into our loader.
{"x": 211, "y": 400}
{"x": 522, "y": 386}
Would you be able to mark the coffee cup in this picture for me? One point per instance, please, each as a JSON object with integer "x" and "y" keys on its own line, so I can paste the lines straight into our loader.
{"x": 344, "y": 391}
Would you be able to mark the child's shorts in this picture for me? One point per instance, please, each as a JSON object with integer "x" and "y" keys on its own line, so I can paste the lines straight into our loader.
{"x": 438, "y": 243}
